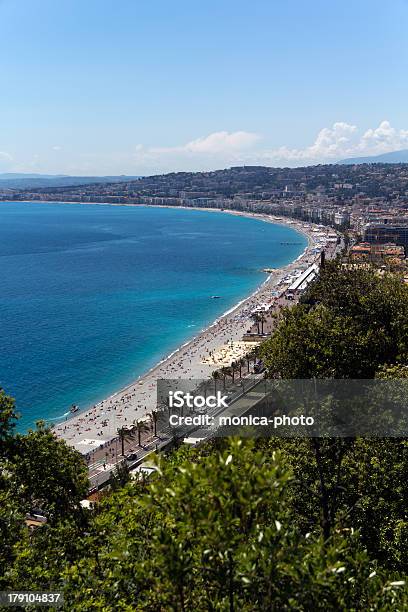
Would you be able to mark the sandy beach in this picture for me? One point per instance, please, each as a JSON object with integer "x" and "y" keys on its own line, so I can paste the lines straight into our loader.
{"x": 92, "y": 428}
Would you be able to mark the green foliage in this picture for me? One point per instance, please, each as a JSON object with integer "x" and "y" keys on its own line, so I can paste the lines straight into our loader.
{"x": 317, "y": 489}
{"x": 46, "y": 474}
{"x": 350, "y": 323}
{"x": 120, "y": 476}
{"x": 377, "y": 492}
{"x": 11, "y": 532}
{"x": 218, "y": 533}
{"x": 359, "y": 484}
{"x": 8, "y": 418}
{"x": 218, "y": 528}
{"x": 390, "y": 372}
{"x": 41, "y": 557}
{"x": 36, "y": 471}
{"x": 319, "y": 343}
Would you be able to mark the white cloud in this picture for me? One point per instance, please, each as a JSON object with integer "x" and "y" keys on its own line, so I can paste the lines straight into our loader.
{"x": 383, "y": 139}
{"x": 328, "y": 143}
{"x": 223, "y": 142}
{"x": 343, "y": 140}
{"x": 223, "y": 149}
{"x": 208, "y": 152}
{"x": 215, "y": 143}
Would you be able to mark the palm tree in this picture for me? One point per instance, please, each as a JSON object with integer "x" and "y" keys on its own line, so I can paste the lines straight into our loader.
{"x": 256, "y": 319}
{"x": 224, "y": 373}
{"x": 262, "y": 319}
{"x": 229, "y": 372}
{"x": 235, "y": 367}
{"x": 165, "y": 402}
{"x": 216, "y": 376}
{"x": 141, "y": 427}
{"x": 240, "y": 364}
{"x": 125, "y": 435}
{"x": 248, "y": 361}
{"x": 153, "y": 415}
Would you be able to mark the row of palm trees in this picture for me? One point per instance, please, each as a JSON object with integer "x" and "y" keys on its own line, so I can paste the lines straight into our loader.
{"x": 127, "y": 433}
{"x": 235, "y": 367}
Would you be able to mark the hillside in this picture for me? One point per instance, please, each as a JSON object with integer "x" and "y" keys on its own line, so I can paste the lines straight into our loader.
{"x": 12, "y": 180}
{"x": 394, "y": 157}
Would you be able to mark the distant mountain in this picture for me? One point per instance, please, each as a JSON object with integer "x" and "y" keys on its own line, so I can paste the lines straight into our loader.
{"x": 19, "y": 181}
{"x": 395, "y": 157}
{"x": 19, "y": 175}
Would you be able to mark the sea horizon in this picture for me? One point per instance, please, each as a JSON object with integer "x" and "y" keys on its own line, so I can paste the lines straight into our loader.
{"x": 99, "y": 317}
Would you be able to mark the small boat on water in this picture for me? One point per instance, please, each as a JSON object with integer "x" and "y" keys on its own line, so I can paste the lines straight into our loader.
{"x": 215, "y": 297}
{"x": 74, "y": 408}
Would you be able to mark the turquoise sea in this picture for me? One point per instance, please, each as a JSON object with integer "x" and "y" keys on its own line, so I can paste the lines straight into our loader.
{"x": 93, "y": 296}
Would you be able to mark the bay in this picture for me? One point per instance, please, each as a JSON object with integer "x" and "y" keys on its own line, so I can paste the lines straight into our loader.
{"x": 93, "y": 296}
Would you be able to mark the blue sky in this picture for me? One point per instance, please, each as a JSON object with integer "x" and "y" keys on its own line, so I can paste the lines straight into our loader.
{"x": 138, "y": 87}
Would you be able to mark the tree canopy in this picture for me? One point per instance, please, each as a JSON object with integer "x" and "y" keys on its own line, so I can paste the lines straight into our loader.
{"x": 349, "y": 323}
{"x": 212, "y": 530}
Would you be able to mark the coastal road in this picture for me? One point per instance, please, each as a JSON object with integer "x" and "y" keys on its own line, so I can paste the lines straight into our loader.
{"x": 108, "y": 458}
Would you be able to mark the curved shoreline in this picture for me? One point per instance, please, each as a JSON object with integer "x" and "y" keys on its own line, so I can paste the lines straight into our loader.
{"x": 94, "y": 426}
{"x": 86, "y": 431}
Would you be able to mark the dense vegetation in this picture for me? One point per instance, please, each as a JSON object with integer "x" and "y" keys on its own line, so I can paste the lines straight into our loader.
{"x": 271, "y": 524}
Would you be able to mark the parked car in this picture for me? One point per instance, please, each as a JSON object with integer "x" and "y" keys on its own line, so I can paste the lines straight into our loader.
{"x": 131, "y": 456}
